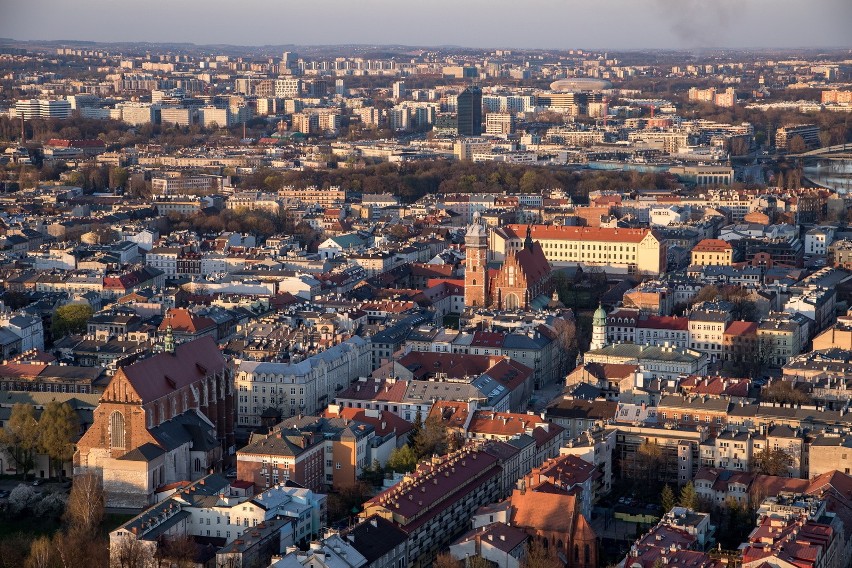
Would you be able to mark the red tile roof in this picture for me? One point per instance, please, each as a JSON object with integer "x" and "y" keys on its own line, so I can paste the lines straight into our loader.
{"x": 384, "y": 424}
{"x": 737, "y": 328}
{"x": 664, "y": 322}
{"x": 712, "y": 245}
{"x": 592, "y": 234}
{"x": 184, "y": 321}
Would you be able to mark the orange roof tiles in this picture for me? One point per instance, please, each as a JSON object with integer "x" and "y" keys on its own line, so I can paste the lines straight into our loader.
{"x": 592, "y": 234}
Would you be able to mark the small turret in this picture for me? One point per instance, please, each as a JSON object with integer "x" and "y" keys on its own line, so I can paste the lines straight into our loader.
{"x": 169, "y": 340}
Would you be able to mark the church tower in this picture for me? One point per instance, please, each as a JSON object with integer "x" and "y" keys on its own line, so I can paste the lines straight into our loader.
{"x": 598, "y": 329}
{"x": 476, "y": 259}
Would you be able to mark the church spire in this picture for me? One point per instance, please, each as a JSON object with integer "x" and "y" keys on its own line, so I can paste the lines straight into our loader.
{"x": 528, "y": 242}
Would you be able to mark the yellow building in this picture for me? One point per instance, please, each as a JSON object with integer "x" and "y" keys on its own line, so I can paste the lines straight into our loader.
{"x": 712, "y": 252}
{"x": 632, "y": 251}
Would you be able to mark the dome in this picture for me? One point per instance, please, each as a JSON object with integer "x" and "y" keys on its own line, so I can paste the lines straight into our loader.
{"x": 580, "y": 84}
{"x": 599, "y": 317}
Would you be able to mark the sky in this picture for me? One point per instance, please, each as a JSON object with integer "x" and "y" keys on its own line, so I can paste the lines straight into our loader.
{"x": 548, "y": 24}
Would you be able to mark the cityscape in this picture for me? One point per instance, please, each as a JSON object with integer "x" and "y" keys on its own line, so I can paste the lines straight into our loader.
{"x": 382, "y": 296}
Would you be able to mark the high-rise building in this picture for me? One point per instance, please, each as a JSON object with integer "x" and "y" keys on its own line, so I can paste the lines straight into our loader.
{"x": 399, "y": 90}
{"x": 470, "y": 112}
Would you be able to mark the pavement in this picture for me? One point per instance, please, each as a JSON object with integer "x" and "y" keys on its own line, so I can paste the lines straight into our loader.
{"x": 541, "y": 397}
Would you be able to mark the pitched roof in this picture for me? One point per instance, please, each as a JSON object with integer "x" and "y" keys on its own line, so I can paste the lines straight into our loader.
{"x": 163, "y": 373}
{"x": 592, "y": 234}
{"x": 533, "y": 263}
{"x": 184, "y": 321}
{"x": 543, "y": 511}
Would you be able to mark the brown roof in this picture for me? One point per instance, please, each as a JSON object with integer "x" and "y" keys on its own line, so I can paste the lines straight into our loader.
{"x": 164, "y": 373}
{"x": 543, "y": 511}
{"x": 533, "y": 262}
{"x": 712, "y": 245}
{"x": 182, "y": 320}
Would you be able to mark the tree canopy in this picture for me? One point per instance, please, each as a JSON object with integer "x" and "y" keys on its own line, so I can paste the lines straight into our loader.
{"x": 70, "y": 318}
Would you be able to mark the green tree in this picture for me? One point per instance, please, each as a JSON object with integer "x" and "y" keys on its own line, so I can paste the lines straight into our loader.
{"x": 70, "y": 318}
{"x": 688, "y": 497}
{"x": 402, "y": 459}
{"x": 58, "y": 427}
{"x": 21, "y": 437}
{"x": 667, "y": 498}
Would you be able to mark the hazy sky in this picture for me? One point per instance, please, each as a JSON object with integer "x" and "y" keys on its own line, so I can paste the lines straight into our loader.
{"x": 564, "y": 24}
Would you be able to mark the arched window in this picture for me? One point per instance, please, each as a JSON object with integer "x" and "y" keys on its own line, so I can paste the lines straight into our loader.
{"x": 116, "y": 430}
{"x": 474, "y": 282}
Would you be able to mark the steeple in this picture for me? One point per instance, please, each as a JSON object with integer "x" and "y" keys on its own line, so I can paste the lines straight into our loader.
{"x": 598, "y": 328}
{"x": 528, "y": 242}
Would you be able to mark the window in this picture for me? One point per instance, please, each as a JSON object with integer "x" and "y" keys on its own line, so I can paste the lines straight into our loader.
{"x": 116, "y": 430}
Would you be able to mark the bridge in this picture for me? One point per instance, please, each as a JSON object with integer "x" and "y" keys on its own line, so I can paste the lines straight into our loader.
{"x": 836, "y": 152}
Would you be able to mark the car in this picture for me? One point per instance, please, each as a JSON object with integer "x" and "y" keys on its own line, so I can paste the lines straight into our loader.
{"x": 4, "y": 494}
{"x": 37, "y": 482}
{"x": 231, "y": 474}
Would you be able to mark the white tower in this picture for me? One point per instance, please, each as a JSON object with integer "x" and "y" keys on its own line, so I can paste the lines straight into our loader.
{"x": 598, "y": 329}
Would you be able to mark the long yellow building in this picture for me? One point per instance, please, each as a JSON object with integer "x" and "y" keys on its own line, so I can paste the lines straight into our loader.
{"x": 631, "y": 251}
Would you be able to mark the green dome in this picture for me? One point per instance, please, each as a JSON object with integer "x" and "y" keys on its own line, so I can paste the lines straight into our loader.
{"x": 599, "y": 318}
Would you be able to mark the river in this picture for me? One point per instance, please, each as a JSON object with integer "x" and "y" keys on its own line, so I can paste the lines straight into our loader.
{"x": 833, "y": 174}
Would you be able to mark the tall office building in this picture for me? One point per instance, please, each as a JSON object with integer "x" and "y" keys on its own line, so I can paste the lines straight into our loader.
{"x": 470, "y": 112}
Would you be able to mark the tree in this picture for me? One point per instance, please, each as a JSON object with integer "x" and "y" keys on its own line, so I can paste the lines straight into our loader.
{"x": 176, "y": 552}
{"x": 118, "y": 177}
{"x": 21, "y": 437}
{"x": 797, "y": 144}
{"x": 688, "y": 497}
{"x": 540, "y": 556}
{"x": 85, "y": 509}
{"x": 70, "y": 318}
{"x": 667, "y": 498}
{"x": 771, "y": 462}
{"x": 432, "y": 438}
{"x": 566, "y": 338}
{"x": 648, "y": 461}
{"x": 129, "y": 552}
{"x": 416, "y": 427}
{"x": 706, "y": 294}
{"x": 783, "y": 391}
{"x": 41, "y": 553}
{"x": 58, "y": 428}
{"x": 22, "y": 497}
{"x": 446, "y": 560}
{"x": 402, "y": 459}
{"x": 13, "y": 550}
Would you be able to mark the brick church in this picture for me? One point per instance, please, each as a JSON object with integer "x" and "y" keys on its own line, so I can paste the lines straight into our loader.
{"x": 524, "y": 276}
{"x": 163, "y": 419}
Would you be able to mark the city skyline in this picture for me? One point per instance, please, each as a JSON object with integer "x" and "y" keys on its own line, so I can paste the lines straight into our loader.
{"x": 617, "y": 24}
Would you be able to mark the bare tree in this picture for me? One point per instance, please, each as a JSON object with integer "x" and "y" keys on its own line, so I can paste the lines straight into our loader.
{"x": 85, "y": 509}
{"x": 128, "y": 552}
{"x": 41, "y": 553}
{"x": 177, "y": 552}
